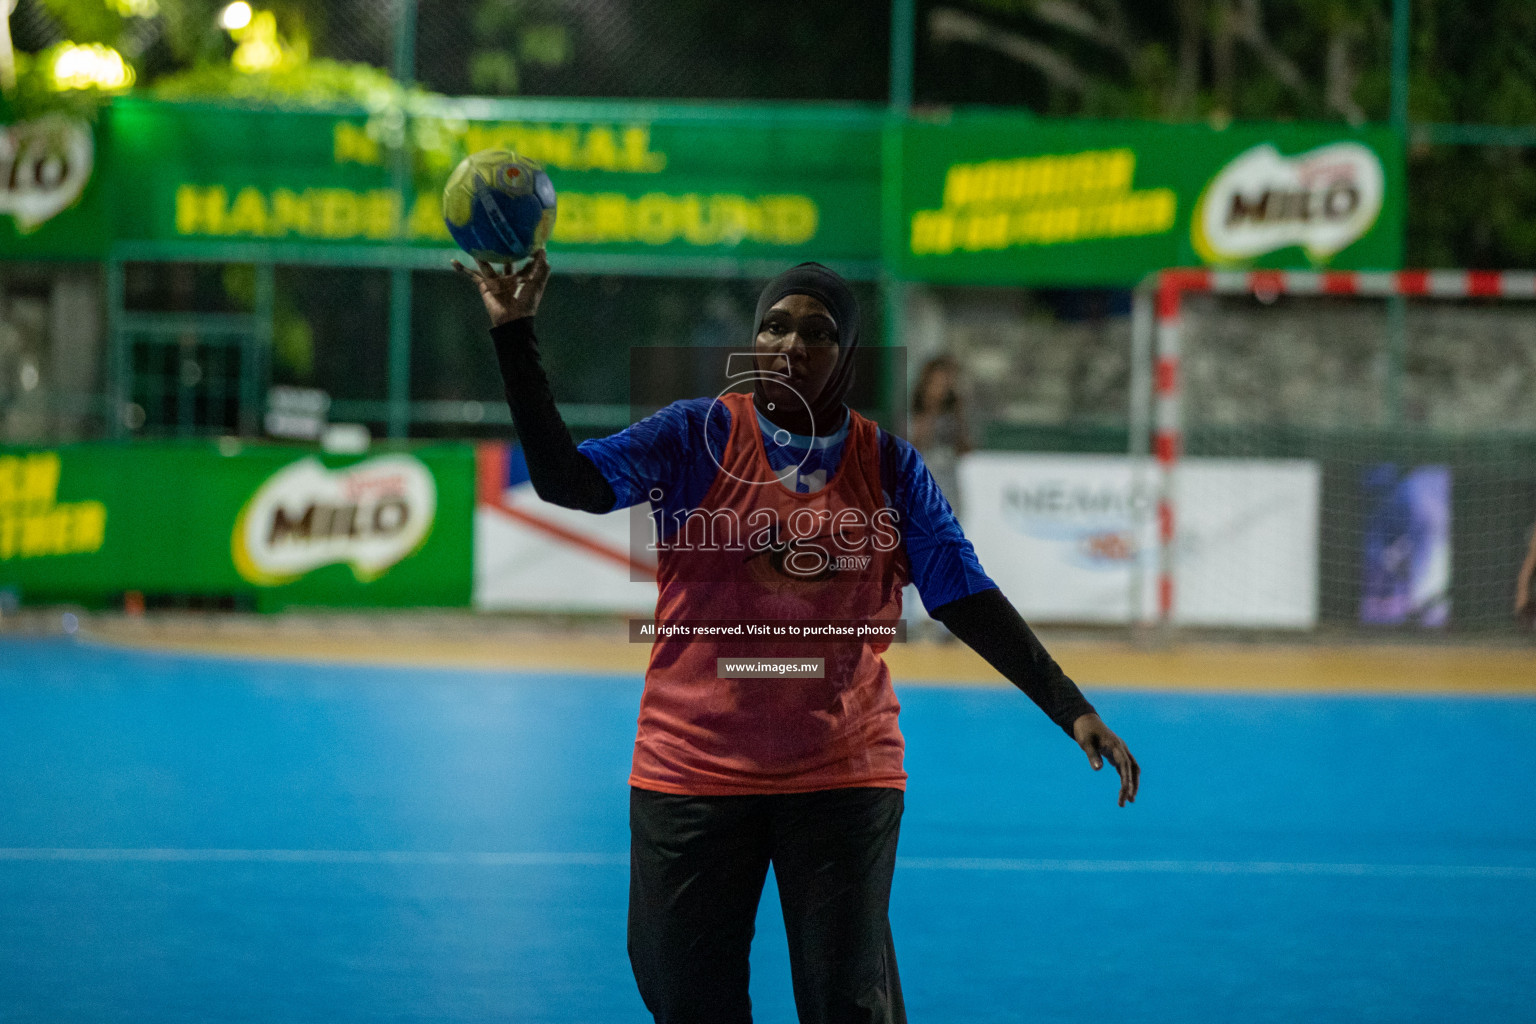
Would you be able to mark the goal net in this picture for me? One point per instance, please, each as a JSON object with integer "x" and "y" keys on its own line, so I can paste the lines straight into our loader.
{"x": 1337, "y": 450}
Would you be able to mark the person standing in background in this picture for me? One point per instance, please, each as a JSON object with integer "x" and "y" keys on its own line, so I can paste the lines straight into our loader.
{"x": 941, "y": 435}
{"x": 1525, "y": 586}
{"x": 939, "y": 429}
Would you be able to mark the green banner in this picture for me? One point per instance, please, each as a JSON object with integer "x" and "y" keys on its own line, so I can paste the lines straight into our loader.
{"x": 1018, "y": 200}
{"x": 984, "y": 198}
{"x": 280, "y": 525}
{"x": 52, "y": 196}
{"x": 643, "y": 181}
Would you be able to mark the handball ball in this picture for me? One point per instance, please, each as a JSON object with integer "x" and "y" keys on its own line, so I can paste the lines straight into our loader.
{"x": 499, "y": 206}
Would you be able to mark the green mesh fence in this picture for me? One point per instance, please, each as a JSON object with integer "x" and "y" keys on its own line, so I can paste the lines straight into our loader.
{"x": 1422, "y": 421}
{"x": 664, "y": 49}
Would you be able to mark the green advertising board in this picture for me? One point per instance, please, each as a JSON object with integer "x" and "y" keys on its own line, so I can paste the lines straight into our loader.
{"x": 1018, "y": 200}
{"x": 631, "y": 180}
{"x": 52, "y": 193}
{"x": 980, "y": 198}
{"x": 281, "y": 525}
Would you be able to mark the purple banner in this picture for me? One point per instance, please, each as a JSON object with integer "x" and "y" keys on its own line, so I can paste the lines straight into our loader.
{"x": 1406, "y": 546}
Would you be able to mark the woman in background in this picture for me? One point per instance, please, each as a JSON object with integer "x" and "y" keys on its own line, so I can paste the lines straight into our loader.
{"x": 939, "y": 428}
{"x": 1525, "y": 586}
{"x": 941, "y": 435}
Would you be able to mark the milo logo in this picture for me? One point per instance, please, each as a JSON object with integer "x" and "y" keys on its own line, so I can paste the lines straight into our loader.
{"x": 44, "y": 166}
{"x": 1321, "y": 200}
{"x": 369, "y": 516}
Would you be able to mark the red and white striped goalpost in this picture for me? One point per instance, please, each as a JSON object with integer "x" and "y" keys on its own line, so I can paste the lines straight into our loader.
{"x": 1170, "y": 287}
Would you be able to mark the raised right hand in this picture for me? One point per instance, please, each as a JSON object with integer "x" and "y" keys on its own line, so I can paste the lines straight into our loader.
{"x": 509, "y": 295}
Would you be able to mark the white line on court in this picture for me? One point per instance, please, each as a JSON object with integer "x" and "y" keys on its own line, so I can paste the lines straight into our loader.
{"x": 561, "y": 859}
{"x": 1218, "y": 867}
{"x": 312, "y": 857}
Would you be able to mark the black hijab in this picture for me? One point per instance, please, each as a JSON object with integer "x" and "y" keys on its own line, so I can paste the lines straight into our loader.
{"x": 832, "y": 291}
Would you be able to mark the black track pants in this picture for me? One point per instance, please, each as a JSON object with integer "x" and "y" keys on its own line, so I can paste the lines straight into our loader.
{"x": 697, "y": 866}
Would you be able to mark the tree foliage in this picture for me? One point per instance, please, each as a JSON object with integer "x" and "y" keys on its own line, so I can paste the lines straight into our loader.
{"x": 1180, "y": 60}
{"x": 1220, "y": 60}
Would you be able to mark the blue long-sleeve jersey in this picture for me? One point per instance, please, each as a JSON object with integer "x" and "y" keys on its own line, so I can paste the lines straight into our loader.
{"x": 669, "y": 454}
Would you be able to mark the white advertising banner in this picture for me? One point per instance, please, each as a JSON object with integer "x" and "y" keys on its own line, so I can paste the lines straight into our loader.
{"x": 1070, "y": 538}
{"x": 534, "y": 556}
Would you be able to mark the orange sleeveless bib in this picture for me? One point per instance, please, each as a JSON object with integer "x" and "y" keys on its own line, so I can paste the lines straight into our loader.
{"x": 755, "y": 550}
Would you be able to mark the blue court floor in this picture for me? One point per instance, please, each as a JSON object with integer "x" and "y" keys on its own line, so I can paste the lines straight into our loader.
{"x": 187, "y": 839}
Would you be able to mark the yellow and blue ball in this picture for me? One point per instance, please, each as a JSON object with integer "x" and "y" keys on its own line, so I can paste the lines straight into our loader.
{"x": 499, "y": 206}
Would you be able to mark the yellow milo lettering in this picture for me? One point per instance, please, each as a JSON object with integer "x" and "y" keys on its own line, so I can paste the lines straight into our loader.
{"x": 44, "y": 534}
{"x": 291, "y": 213}
{"x": 601, "y": 148}
{"x": 793, "y": 219}
{"x": 957, "y": 185}
{"x": 1041, "y": 200}
{"x": 29, "y": 480}
{"x": 987, "y": 231}
{"x": 10, "y": 535}
{"x": 732, "y": 219}
{"x": 637, "y": 154}
{"x": 332, "y": 213}
{"x": 595, "y": 147}
{"x": 698, "y": 226}
{"x": 1114, "y": 170}
{"x": 549, "y": 145}
{"x": 610, "y": 218}
{"x": 40, "y": 478}
{"x": 88, "y": 526}
{"x": 555, "y": 147}
{"x": 11, "y": 477}
{"x": 657, "y": 218}
{"x": 247, "y": 215}
{"x": 933, "y": 232}
{"x": 200, "y": 211}
{"x": 338, "y": 213}
{"x": 353, "y": 145}
{"x": 652, "y": 219}
{"x": 1025, "y": 178}
{"x": 32, "y": 525}
{"x": 941, "y": 232}
{"x": 1161, "y": 206}
{"x": 69, "y": 529}
{"x": 426, "y": 220}
{"x": 380, "y": 213}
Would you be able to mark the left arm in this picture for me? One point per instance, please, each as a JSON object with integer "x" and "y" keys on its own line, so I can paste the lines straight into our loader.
{"x": 960, "y": 595}
{"x": 1523, "y": 580}
{"x": 988, "y": 623}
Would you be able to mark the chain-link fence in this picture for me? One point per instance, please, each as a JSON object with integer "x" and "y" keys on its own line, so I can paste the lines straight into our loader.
{"x": 1423, "y": 439}
{"x": 1045, "y": 369}
{"x": 659, "y": 49}
{"x": 662, "y": 49}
